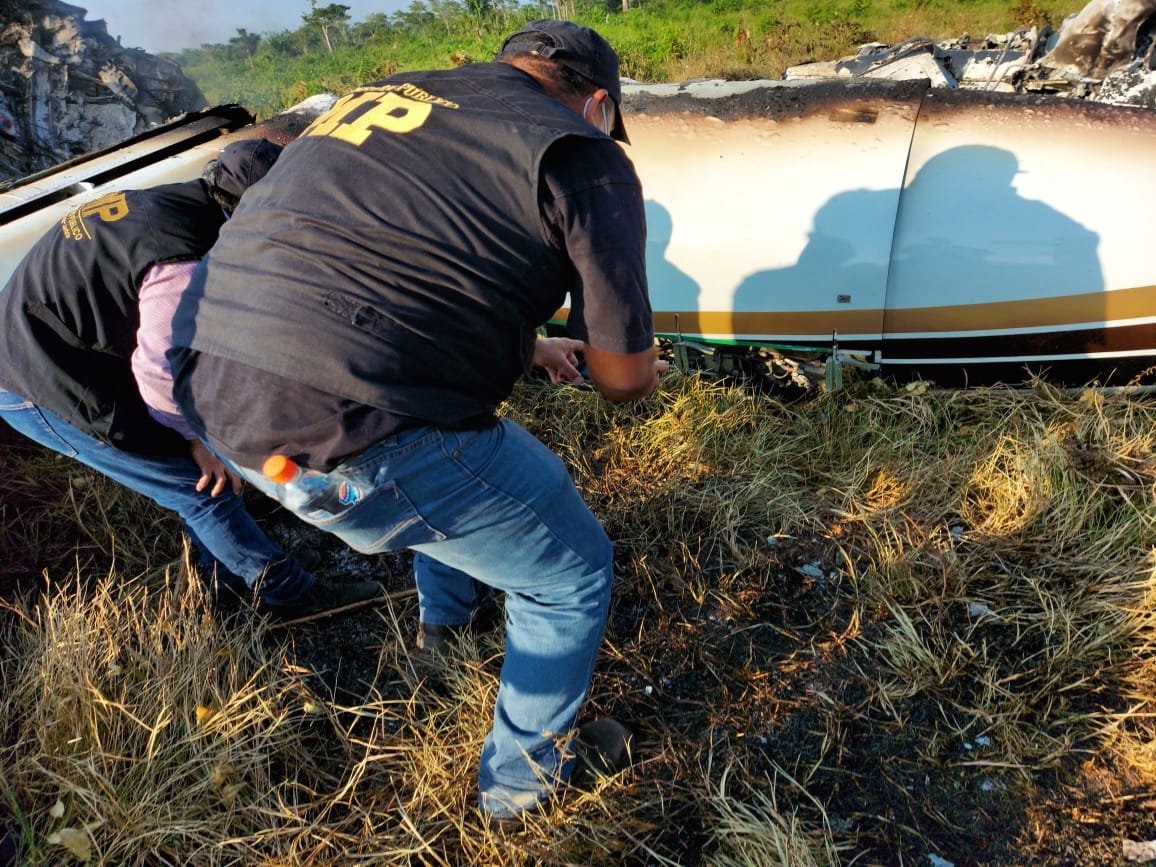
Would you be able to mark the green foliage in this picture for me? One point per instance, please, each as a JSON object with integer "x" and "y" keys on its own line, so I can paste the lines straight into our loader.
{"x": 657, "y": 40}
{"x": 1028, "y": 13}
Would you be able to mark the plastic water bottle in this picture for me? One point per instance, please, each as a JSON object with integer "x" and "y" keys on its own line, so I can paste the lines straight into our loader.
{"x": 310, "y": 492}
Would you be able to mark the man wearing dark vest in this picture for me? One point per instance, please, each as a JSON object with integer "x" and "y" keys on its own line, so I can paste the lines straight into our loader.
{"x": 72, "y": 324}
{"x": 377, "y": 299}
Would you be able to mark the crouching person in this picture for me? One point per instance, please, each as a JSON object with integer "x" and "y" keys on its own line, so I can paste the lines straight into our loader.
{"x": 406, "y": 247}
{"x": 74, "y": 333}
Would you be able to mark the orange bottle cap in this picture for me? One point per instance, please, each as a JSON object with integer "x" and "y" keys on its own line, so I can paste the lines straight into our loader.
{"x": 279, "y": 469}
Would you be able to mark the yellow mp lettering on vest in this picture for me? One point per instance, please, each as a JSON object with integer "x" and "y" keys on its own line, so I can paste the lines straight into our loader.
{"x": 354, "y": 118}
{"x": 107, "y": 209}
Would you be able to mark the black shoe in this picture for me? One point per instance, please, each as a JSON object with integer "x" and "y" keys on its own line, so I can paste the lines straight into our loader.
{"x": 432, "y": 646}
{"x": 323, "y": 600}
{"x": 439, "y": 638}
{"x": 602, "y": 747}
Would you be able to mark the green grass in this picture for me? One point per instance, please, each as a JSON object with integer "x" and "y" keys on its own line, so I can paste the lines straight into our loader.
{"x": 874, "y": 625}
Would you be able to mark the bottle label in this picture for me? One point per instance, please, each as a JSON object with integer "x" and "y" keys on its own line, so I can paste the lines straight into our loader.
{"x": 347, "y": 494}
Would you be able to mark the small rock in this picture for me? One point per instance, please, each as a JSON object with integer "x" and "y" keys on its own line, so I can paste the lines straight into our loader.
{"x": 980, "y": 610}
{"x": 1140, "y": 850}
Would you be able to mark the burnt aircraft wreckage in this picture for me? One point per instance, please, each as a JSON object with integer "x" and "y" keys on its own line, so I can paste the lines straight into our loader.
{"x": 964, "y": 236}
{"x": 956, "y": 235}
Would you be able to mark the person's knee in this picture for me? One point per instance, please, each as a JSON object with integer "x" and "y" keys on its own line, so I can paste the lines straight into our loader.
{"x": 223, "y": 508}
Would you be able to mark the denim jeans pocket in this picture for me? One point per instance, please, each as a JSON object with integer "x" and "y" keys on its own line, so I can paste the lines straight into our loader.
{"x": 385, "y": 520}
{"x": 474, "y": 451}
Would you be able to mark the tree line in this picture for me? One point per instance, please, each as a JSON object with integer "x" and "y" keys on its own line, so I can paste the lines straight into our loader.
{"x": 657, "y": 40}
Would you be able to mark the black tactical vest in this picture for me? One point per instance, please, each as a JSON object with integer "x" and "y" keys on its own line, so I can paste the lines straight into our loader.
{"x": 395, "y": 254}
{"x": 70, "y": 316}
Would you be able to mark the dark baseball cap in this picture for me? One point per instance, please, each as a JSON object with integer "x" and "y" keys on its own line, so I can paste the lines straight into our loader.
{"x": 243, "y": 163}
{"x": 578, "y": 48}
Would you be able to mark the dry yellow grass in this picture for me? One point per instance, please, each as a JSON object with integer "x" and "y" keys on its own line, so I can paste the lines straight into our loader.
{"x": 869, "y": 627}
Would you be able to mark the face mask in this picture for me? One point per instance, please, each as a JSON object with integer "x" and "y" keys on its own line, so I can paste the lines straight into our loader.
{"x": 605, "y": 114}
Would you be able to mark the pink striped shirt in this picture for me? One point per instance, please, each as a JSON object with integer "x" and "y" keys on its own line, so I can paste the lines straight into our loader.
{"x": 160, "y": 292}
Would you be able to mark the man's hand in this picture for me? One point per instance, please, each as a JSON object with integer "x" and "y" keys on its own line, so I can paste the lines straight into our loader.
{"x": 213, "y": 470}
{"x": 559, "y": 356}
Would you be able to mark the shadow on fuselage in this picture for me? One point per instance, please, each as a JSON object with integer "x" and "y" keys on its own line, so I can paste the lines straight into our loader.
{"x": 678, "y": 291}
{"x": 964, "y": 278}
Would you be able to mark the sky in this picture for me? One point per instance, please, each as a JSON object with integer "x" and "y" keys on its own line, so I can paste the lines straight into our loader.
{"x": 170, "y": 25}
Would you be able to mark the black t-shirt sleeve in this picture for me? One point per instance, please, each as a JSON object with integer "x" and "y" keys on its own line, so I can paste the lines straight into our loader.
{"x": 592, "y": 208}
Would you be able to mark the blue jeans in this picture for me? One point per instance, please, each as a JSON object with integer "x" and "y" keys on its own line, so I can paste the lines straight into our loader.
{"x": 497, "y": 506}
{"x": 229, "y": 542}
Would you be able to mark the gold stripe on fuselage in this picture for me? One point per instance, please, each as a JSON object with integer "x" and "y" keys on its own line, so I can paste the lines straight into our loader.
{"x": 1061, "y": 312}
